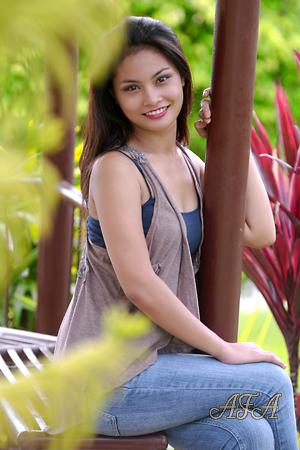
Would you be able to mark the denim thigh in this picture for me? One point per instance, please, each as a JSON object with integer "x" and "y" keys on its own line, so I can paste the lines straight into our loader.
{"x": 183, "y": 391}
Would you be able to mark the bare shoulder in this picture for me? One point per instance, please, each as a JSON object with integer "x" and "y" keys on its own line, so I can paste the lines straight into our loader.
{"x": 112, "y": 161}
{"x": 114, "y": 165}
{"x": 198, "y": 163}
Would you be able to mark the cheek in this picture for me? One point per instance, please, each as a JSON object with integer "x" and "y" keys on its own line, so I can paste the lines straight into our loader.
{"x": 175, "y": 92}
{"x": 128, "y": 104}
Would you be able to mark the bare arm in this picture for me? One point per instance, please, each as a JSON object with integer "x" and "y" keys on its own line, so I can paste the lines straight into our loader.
{"x": 119, "y": 212}
{"x": 169, "y": 313}
{"x": 259, "y": 228}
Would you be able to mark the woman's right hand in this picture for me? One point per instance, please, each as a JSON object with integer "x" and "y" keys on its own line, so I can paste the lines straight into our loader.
{"x": 204, "y": 120}
{"x": 246, "y": 352}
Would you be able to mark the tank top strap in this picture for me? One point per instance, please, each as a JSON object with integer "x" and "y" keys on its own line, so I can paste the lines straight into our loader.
{"x": 134, "y": 160}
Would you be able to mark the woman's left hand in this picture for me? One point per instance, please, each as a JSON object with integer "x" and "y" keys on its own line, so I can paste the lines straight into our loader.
{"x": 204, "y": 114}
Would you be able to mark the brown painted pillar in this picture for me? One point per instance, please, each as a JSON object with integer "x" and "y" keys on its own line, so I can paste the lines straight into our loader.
{"x": 55, "y": 251}
{"x": 227, "y": 159}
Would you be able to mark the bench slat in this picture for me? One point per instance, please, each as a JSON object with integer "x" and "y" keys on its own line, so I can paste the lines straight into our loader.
{"x": 6, "y": 371}
{"x": 18, "y": 362}
{"x": 32, "y": 358}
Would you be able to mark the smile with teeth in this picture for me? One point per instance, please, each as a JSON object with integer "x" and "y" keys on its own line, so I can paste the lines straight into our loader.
{"x": 156, "y": 111}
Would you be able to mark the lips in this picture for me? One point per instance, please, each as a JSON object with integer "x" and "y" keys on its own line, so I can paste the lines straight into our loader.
{"x": 156, "y": 113}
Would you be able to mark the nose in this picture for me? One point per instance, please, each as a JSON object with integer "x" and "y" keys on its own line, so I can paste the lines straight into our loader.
{"x": 152, "y": 96}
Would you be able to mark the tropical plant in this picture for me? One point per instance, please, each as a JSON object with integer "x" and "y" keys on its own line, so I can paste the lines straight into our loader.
{"x": 275, "y": 270}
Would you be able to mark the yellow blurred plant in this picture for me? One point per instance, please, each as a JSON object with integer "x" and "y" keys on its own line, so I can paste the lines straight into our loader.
{"x": 35, "y": 41}
{"x": 75, "y": 387}
{"x": 44, "y": 28}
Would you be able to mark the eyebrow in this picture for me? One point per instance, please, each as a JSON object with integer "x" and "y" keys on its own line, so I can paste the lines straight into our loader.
{"x": 155, "y": 75}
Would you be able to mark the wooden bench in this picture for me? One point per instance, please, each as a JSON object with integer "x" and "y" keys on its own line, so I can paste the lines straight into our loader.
{"x": 21, "y": 351}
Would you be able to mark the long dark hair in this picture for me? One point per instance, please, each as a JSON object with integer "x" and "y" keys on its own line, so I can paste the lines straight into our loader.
{"x": 107, "y": 127}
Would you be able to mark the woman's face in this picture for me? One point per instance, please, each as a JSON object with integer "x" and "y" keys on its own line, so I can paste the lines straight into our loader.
{"x": 149, "y": 90}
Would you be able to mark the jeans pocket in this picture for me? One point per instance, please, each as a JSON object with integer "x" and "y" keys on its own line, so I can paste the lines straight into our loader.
{"x": 107, "y": 424}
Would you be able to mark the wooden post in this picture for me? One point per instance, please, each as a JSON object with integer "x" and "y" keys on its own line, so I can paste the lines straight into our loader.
{"x": 55, "y": 251}
{"x": 227, "y": 160}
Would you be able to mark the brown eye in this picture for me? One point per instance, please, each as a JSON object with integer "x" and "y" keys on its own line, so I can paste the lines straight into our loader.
{"x": 130, "y": 88}
{"x": 163, "y": 78}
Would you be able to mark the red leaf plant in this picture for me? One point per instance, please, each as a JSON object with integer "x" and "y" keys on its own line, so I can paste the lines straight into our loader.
{"x": 275, "y": 269}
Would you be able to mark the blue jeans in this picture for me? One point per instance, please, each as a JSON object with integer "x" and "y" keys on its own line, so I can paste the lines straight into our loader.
{"x": 198, "y": 402}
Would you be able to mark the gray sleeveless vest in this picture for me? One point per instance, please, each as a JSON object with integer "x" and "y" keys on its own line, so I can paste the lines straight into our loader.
{"x": 97, "y": 287}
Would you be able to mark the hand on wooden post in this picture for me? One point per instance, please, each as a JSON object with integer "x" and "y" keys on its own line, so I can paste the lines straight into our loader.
{"x": 204, "y": 114}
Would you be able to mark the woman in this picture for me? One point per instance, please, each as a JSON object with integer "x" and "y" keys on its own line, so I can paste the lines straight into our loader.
{"x": 145, "y": 229}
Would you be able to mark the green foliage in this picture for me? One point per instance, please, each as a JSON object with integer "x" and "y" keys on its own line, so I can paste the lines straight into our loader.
{"x": 278, "y": 37}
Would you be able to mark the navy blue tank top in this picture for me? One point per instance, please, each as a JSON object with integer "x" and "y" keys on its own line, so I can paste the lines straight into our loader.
{"x": 191, "y": 218}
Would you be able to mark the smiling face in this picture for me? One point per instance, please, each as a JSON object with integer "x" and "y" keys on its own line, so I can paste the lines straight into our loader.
{"x": 148, "y": 88}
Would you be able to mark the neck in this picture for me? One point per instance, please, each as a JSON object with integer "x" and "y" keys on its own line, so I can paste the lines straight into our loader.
{"x": 154, "y": 143}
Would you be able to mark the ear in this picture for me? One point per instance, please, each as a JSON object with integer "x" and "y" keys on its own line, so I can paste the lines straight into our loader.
{"x": 182, "y": 81}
